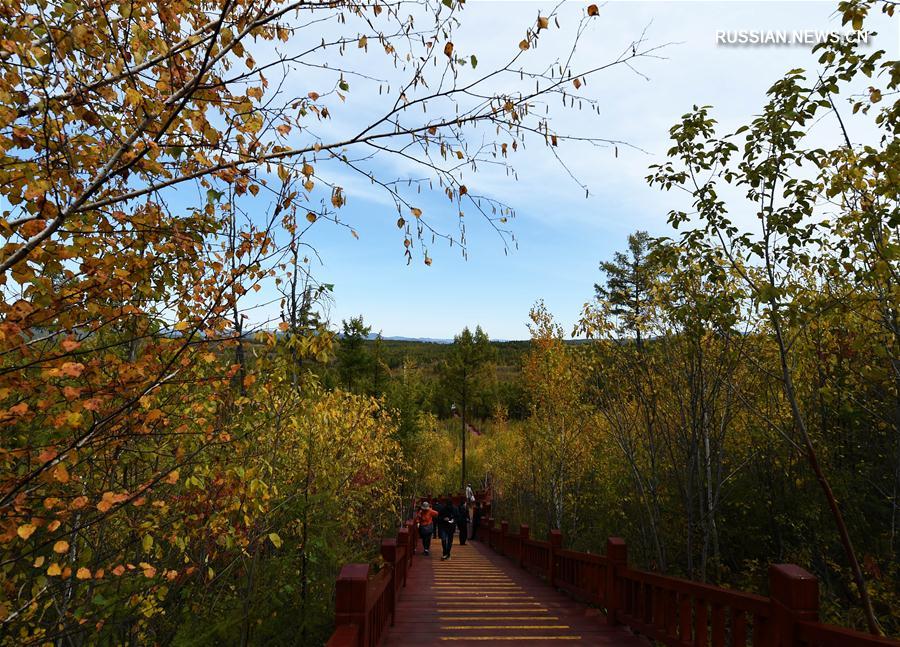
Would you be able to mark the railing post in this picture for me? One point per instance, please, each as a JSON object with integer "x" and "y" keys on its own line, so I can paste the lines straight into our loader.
{"x": 504, "y": 528}
{"x": 795, "y": 597}
{"x": 616, "y": 558}
{"x": 350, "y": 599}
{"x": 403, "y": 540}
{"x": 524, "y": 534}
{"x": 389, "y": 554}
{"x": 555, "y": 546}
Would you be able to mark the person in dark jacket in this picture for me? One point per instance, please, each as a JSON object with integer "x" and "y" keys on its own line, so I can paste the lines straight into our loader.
{"x": 462, "y": 521}
{"x": 447, "y": 526}
{"x": 476, "y": 519}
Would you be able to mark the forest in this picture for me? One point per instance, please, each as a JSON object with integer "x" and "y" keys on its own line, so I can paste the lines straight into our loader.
{"x": 177, "y": 469}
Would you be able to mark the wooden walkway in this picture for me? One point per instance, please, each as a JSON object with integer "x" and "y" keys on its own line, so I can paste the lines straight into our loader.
{"x": 480, "y": 597}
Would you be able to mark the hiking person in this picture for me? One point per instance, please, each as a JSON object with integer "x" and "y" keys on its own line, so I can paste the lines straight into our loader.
{"x": 476, "y": 520}
{"x": 462, "y": 520}
{"x": 470, "y": 501}
{"x": 425, "y": 519}
{"x": 447, "y": 526}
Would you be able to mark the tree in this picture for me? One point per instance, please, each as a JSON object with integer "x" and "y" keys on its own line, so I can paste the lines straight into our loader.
{"x": 628, "y": 281}
{"x": 560, "y": 431}
{"x": 353, "y": 358}
{"x": 157, "y": 166}
{"x": 464, "y": 373}
{"x": 792, "y": 239}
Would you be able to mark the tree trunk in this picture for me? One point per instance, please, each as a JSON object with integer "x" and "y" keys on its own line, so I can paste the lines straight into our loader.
{"x": 813, "y": 459}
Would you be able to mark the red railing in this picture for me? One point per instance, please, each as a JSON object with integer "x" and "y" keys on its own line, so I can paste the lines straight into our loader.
{"x": 364, "y": 603}
{"x": 679, "y": 612}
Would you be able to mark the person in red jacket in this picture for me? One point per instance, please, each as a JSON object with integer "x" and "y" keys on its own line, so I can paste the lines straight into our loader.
{"x": 425, "y": 517}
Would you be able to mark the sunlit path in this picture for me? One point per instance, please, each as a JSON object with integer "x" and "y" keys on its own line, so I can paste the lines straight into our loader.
{"x": 480, "y": 597}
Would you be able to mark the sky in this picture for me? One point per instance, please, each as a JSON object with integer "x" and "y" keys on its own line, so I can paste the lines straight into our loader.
{"x": 561, "y": 235}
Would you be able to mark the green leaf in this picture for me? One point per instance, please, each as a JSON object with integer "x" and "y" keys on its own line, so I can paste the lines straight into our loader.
{"x": 474, "y": 61}
{"x": 275, "y": 539}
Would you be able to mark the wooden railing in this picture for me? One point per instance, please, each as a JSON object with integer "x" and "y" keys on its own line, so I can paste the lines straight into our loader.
{"x": 365, "y": 604}
{"x": 675, "y": 611}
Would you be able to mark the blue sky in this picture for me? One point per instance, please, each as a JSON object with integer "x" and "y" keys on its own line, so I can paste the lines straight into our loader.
{"x": 561, "y": 235}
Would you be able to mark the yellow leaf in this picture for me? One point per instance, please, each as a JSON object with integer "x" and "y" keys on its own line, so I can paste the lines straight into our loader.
{"x": 61, "y": 546}
{"x": 83, "y": 574}
{"x": 416, "y": 212}
{"x": 362, "y": 42}
{"x": 80, "y": 34}
{"x": 275, "y": 539}
{"x": 308, "y": 170}
{"x": 182, "y": 326}
{"x": 54, "y": 570}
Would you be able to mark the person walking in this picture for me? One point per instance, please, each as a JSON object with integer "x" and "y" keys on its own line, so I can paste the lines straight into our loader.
{"x": 447, "y": 526}
{"x": 470, "y": 502}
{"x": 462, "y": 520}
{"x": 425, "y": 519}
{"x": 476, "y": 520}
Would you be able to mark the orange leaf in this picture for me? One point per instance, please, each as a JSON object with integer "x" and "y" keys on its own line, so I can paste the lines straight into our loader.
{"x": 61, "y": 474}
{"x": 54, "y": 570}
{"x": 70, "y": 344}
{"x": 83, "y": 574}
{"x": 72, "y": 369}
{"x": 593, "y": 10}
{"x": 61, "y": 546}
{"x": 448, "y": 49}
{"x": 26, "y": 530}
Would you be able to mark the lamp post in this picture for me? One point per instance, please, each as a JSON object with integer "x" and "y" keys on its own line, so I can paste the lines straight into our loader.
{"x": 454, "y": 411}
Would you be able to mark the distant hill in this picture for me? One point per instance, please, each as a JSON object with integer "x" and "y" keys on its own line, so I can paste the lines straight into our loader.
{"x": 427, "y": 340}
